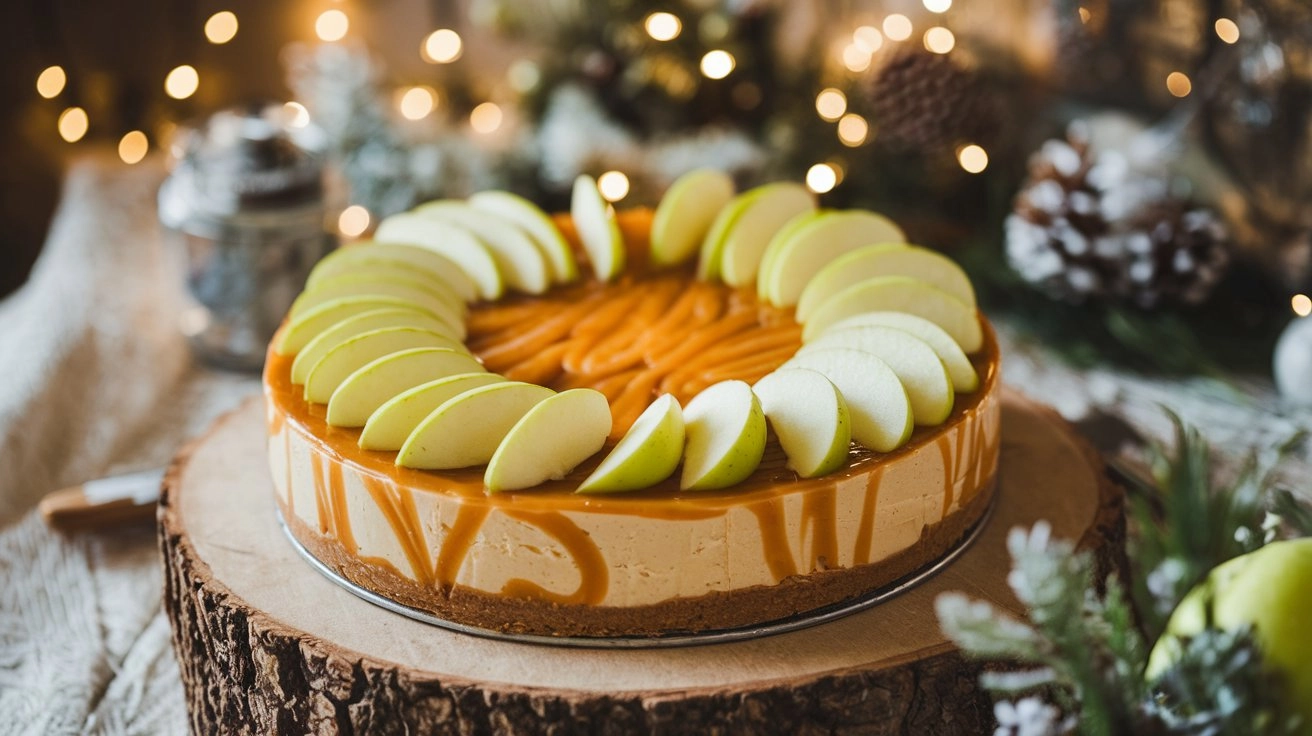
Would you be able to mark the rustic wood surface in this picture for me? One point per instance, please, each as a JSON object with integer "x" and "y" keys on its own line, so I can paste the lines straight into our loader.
{"x": 266, "y": 644}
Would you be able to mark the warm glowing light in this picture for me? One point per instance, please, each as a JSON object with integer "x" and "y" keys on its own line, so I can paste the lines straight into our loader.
{"x": 821, "y": 178}
{"x": 51, "y": 81}
{"x": 855, "y": 59}
{"x": 663, "y": 26}
{"x": 853, "y": 129}
{"x": 73, "y": 124}
{"x": 416, "y": 103}
{"x": 297, "y": 115}
{"x": 1302, "y": 304}
{"x": 485, "y": 118}
{"x": 1178, "y": 84}
{"x": 897, "y": 27}
{"x": 939, "y": 40}
{"x": 182, "y": 82}
{"x": 868, "y": 39}
{"x": 831, "y": 104}
{"x": 221, "y": 27}
{"x": 717, "y": 64}
{"x": 613, "y": 185}
{"x": 353, "y": 221}
{"x": 132, "y": 147}
{"x": 332, "y": 25}
{"x": 1085, "y": 15}
{"x": 442, "y": 46}
{"x": 973, "y": 158}
{"x": 1227, "y": 30}
{"x": 938, "y": 6}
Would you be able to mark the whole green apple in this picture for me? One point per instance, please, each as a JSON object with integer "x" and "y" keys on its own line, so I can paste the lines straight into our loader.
{"x": 1269, "y": 589}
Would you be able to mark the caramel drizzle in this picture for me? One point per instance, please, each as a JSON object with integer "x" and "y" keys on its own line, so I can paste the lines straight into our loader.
{"x": 774, "y": 540}
{"x": 341, "y": 517}
{"x": 594, "y": 577}
{"x": 455, "y": 548}
{"x": 399, "y": 510}
{"x": 820, "y": 518}
{"x": 865, "y": 532}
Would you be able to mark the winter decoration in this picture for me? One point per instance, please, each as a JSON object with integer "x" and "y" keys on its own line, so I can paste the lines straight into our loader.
{"x": 930, "y": 102}
{"x": 1293, "y": 362}
{"x": 1083, "y": 655}
{"x": 1093, "y": 224}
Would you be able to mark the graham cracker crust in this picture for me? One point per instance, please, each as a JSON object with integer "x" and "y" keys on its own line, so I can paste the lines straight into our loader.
{"x": 756, "y": 605}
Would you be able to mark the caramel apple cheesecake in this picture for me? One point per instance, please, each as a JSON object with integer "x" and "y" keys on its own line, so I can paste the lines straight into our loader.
{"x": 734, "y": 409}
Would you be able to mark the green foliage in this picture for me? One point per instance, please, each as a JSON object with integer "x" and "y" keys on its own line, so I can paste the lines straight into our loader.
{"x": 1188, "y": 522}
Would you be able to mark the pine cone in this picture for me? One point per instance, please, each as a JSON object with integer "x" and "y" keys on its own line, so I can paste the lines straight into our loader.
{"x": 1090, "y": 227}
{"x": 926, "y": 101}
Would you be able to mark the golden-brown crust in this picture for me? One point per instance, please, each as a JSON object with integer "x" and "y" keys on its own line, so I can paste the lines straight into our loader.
{"x": 710, "y": 612}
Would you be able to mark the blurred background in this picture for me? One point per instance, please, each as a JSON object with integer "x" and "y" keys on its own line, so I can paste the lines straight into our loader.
{"x": 1115, "y": 173}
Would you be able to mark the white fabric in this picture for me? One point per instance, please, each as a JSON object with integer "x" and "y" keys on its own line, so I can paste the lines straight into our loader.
{"x": 95, "y": 380}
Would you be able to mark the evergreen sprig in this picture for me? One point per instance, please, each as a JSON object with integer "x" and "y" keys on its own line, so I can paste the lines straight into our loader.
{"x": 1189, "y": 521}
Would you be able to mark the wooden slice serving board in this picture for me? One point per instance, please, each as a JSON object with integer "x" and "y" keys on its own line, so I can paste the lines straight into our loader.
{"x": 267, "y": 644}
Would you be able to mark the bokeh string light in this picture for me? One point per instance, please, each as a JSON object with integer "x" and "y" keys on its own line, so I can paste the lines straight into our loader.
{"x": 442, "y": 46}
{"x": 717, "y": 64}
{"x": 663, "y": 26}
{"x": 221, "y": 27}
{"x": 51, "y": 82}
{"x": 73, "y": 124}
{"x": 486, "y": 118}
{"x": 613, "y": 185}
{"x": 821, "y": 178}
{"x": 332, "y": 25}
{"x": 182, "y": 82}
{"x": 132, "y": 147}
{"x": 1301, "y": 304}
{"x": 353, "y": 221}
{"x": 416, "y": 103}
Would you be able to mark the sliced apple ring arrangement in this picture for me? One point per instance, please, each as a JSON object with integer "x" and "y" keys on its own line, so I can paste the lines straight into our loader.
{"x": 378, "y": 337}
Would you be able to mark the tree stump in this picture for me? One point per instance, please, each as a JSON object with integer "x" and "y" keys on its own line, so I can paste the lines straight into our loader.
{"x": 266, "y": 644}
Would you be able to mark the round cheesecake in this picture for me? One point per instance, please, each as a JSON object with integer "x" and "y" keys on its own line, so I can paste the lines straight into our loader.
{"x": 549, "y": 561}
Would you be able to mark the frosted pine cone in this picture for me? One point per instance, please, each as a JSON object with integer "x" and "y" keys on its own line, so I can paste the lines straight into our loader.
{"x": 1092, "y": 226}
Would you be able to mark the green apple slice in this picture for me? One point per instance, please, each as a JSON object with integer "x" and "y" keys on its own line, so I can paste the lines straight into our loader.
{"x": 385, "y": 271}
{"x": 685, "y": 214}
{"x": 369, "y": 254}
{"x": 446, "y": 308}
{"x": 600, "y": 233}
{"x": 468, "y": 428}
{"x": 877, "y": 403}
{"x": 647, "y": 454}
{"x": 813, "y": 246}
{"x": 964, "y": 378}
{"x": 745, "y": 243}
{"x": 537, "y": 224}
{"x": 772, "y": 248}
{"x": 550, "y": 440}
{"x": 923, "y": 375}
{"x": 885, "y": 259}
{"x": 809, "y": 416}
{"x": 348, "y": 357}
{"x": 519, "y": 259}
{"x": 456, "y": 244}
{"x": 725, "y": 437}
{"x": 358, "y": 324}
{"x": 310, "y": 324}
{"x": 377, "y": 382}
{"x": 751, "y": 208}
{"x": 390, "y": 424}
{"x": 899, "y": 294}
